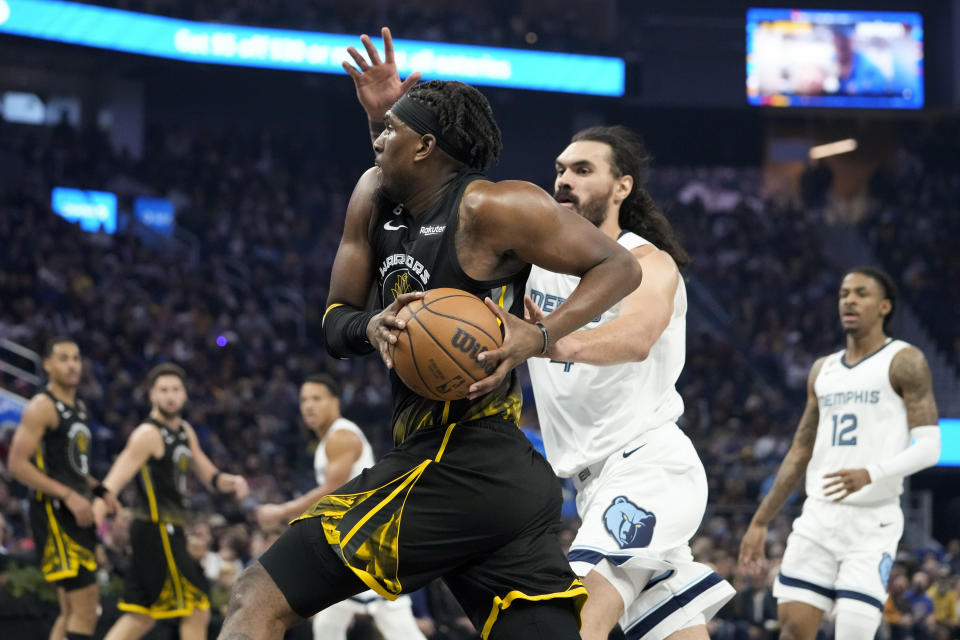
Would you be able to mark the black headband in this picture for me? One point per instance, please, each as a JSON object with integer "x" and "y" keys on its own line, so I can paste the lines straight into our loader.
{"x": 421, "y": 119}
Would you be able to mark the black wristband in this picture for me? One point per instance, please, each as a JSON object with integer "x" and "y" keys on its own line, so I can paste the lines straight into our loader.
{"x": 213, "y": 481}
{"x": 546, "y": 338}
{"x": 345, "y": 331}
{"x": 99, "y": 490}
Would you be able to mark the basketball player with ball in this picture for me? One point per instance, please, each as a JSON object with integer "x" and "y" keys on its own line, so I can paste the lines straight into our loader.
{"x": 463, "y": 495}
{"x": 606, "y": 396}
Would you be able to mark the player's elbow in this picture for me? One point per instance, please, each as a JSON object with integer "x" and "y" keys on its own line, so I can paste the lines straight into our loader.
{"x": 16, "y": 464}
{"x": 801, "y": 455}
{"x": 632, "y": 272}
{"x": 639, "y": 350}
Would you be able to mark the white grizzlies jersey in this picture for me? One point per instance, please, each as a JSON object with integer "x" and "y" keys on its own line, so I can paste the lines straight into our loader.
{"x": 862, "y": 420}
{"x": 588, "y": 412}
{"x": 320, "y": 457}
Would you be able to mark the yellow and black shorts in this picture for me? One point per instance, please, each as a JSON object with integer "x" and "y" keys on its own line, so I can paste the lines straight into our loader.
{"x": 66, "y": 549}
{"x": 473, "y": 503}
{"x": 164, "y": 580}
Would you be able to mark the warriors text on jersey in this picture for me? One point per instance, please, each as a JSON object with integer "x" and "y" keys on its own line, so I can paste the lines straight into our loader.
{"x": 862, "y": 420}
{"x": 162, "y": 482}
{"x": 588, "y": 412}
{"x": 417, "y": 254}
{"x": 320, "y": 457}
{"x": 64, "y": 451}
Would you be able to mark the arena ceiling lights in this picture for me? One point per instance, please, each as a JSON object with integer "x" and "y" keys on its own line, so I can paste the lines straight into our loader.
{"x": 163, "y": 37}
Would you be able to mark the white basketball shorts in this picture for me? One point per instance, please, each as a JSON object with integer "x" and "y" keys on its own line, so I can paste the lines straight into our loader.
{"x": 639, "y": 508}
{"x": 840, "y": 554}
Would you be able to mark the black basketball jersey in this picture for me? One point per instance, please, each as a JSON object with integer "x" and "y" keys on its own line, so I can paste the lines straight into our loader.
{"x": 417, "y": 254}
{"x": 64, "y": 452}
{"x": 162, "y": 482}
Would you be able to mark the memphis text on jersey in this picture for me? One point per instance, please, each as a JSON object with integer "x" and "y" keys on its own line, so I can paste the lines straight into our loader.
{"x": 865, "y": 396}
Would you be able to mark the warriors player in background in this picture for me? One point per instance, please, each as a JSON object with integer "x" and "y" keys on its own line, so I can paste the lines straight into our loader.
{"x": 865, "y": 405}
{"x": 608, "y": 405}
{"x": 342, "y": 453}
{"x": 54, "y": 432}
{"x": 164, "y": 581}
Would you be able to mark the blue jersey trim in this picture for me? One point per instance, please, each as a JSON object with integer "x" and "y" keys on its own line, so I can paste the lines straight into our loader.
{"x": 843, "y": 358}
{"x": 645, "y": 624}
{"x": 593, "y": 557}
{"x": 862, "y": 597}
{"x": 826, "y": 592}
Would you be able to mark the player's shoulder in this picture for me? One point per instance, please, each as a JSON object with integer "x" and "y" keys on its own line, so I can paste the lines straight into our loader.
{"x": 40, "y": 408}
{"x": 145, "y": 434}
{"x": 344, "y": 433}
{"x": 485, "y": 194}
{"x": 41, "y": 400}
{"x": 908, "y": 361}
{"x": 821, "y": 362}
{"x": 345, "y": 426}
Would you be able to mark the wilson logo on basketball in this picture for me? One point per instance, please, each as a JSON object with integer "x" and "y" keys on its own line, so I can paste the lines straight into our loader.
{"x": 445, "y": 332}
{"x": 468, "y": 344}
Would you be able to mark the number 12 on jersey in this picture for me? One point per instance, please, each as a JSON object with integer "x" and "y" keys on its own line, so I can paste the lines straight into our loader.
{"x": 843, "y": 430}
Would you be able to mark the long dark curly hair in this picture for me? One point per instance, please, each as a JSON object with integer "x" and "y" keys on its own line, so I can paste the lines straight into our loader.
{"x": 638, "y": 213}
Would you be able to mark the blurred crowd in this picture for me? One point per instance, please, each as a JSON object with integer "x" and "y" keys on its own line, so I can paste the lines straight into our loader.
{"x": 236, "y": 299}
{"x": 563, "y": 26}
{"x": 922, "y": 181}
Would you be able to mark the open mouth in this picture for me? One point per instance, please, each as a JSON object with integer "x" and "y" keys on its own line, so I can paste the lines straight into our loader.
{"x": 566, "y": 200}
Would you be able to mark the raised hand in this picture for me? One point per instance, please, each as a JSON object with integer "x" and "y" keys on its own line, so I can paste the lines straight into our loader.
{"x": 377, "y": 81}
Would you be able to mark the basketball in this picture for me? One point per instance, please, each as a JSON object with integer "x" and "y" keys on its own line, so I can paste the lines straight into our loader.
{"x": 436, "y": 353}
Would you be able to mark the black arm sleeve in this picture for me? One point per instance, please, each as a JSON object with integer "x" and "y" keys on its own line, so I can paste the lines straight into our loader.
{"x": 345, "y": 331}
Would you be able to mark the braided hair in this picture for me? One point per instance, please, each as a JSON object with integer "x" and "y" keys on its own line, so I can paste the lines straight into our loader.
{"x": 638, "y": 213}
{"x": 465, "y": 115}
{"x": 886, "y": 283}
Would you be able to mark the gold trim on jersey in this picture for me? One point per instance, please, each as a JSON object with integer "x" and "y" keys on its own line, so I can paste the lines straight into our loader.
{"x": 178, "y": 597}
{"x": 40, "y": 465}
{"x": 576, "y": 590}
{"x": 62, "y": 555}
{"x": 446, "y": 438}
{"x": 376, "y": 559}
{"x": 151, "y": 495}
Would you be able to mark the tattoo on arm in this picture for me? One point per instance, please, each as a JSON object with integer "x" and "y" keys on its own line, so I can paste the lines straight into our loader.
{"x": 910, "y": 377}
{"x": 238, "y": 636}
{"x": 795, "y": 463}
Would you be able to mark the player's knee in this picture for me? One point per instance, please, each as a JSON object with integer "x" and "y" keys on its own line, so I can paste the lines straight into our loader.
{"x": 81, "y": 609}
{"x": 143, "y": 623}
{"x": 250, "y": 593}
{"x": 82, "y": 618}
{"x": 791, "y": 630}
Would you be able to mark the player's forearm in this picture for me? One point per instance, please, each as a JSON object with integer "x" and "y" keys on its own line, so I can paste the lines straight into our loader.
{"x": 293, "y": 508}
{"x": 28, "y": 474}
{"x": 619, "y": 341}
{"x": 788, "y": 475}
{"x": 600, "y": 288}
{"x": 121, "y": 473}
{"x": 345, "y": 331}
{"x": 923, "y": 453}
